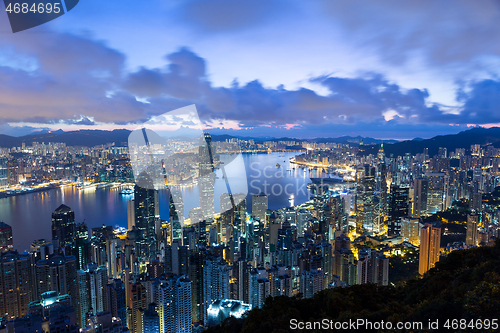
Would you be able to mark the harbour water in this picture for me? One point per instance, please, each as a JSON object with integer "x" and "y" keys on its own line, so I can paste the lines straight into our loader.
{"x": 30, "y": 214}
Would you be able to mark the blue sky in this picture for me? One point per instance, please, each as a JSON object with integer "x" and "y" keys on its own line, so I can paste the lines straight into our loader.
{"x": 385, "y": 69}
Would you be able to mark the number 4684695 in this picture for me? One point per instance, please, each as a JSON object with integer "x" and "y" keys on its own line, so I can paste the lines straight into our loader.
{"x": 35, "y": 8}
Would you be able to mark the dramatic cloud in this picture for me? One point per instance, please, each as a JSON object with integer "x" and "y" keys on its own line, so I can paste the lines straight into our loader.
{"x": 443, "y": 32}
{"x": 76, "y": 80}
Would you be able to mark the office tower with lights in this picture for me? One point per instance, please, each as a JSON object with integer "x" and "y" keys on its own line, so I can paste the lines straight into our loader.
{"x": 476, "y": 190}
{"x": 398, "y": 208}
{"x": 437, "y": 192}
{"x": 259, "y": 287}
{"x": 176, "y": 215}
{"x": 382, "y": 181}
{"x": 372, "y": 267}
{"x": 206, "y": 180}
{"x": 365, "y": 198}
{"x": 82, "y": 250}
{"x": 174, "y": 304}
{"x": 195, "y": 270}
{"x": 311, "y": 282}
{"x": 6, "y": 240}
{"x": 420, "y": 194}
{"x": 130, "y": 214}
{"x": 259, "y": 206}
{"x": 117, "y": 303}
{"x": 472, "y": 230}
{"x": 145, "y": 207}
{"x": 92, "y": 282}
{"x": 63, "y": 226}
{"x": 15, "y": 284}
{"x": 410, "y": 230}
{"x": 4, "y": 178}
{"x": 137, "y": 304}
{"x": 57, "y": 273}
{"x": 430, "y": 243}
{"x": 151, "y": 320}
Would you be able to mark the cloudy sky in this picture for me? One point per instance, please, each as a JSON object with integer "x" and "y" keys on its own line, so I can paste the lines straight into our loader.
{"x": 385, "y": 69}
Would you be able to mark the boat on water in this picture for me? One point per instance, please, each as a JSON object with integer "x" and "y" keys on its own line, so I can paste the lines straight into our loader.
{"x": 127, "y": 191}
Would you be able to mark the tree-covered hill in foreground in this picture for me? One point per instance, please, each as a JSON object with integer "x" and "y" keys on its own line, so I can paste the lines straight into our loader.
{"x": 464, "y": 285}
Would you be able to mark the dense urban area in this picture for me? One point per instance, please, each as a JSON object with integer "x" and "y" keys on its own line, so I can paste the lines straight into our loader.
{"x": 373, "y": 219}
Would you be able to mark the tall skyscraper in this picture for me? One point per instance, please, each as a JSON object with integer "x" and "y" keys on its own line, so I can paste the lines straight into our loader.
{"x": 145, "y": 203}
{"x": 82, "y": 249}
{"x": 365, "y": 199}
{"x": 15, "y": 284}
{"x": 57, "y": 273}
{"x": 196, "y": 276}
{"x": 398, "y": 208}
{"x": 437, "y": 192}
{"x": 137, "y": 305}
{"x": 63, "y": 226}
{"x": 430, "y": 244}
{"x": 259, "y": 206}
{"x": 116, "y": 298}
{"x": 151, "y": 320}
{"x": 382, "y": 180}
{"x": 373, "y": 267}
{"x": 410, "y": 230}
{"x": 311, "y": 282}
{"x": 92, "y": 282}
{"x": 174, "y": 301}
{"x": 420, "y": 197}
{"x": 4, "y": 179}
{"x": 130, "y": 214}
{"x": 472, "y": 232}
{"x": 175, "y": 215}
{"x": 206, "y": 180}
{"x": 6, "y": 241}
{"x": 215, "y": 281}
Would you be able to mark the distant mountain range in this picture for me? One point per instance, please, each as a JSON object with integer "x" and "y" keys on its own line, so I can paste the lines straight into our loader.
{"x": 88, "y": 138}
{"x": 120, "y": 137}
{"x": 464, "y": 139}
